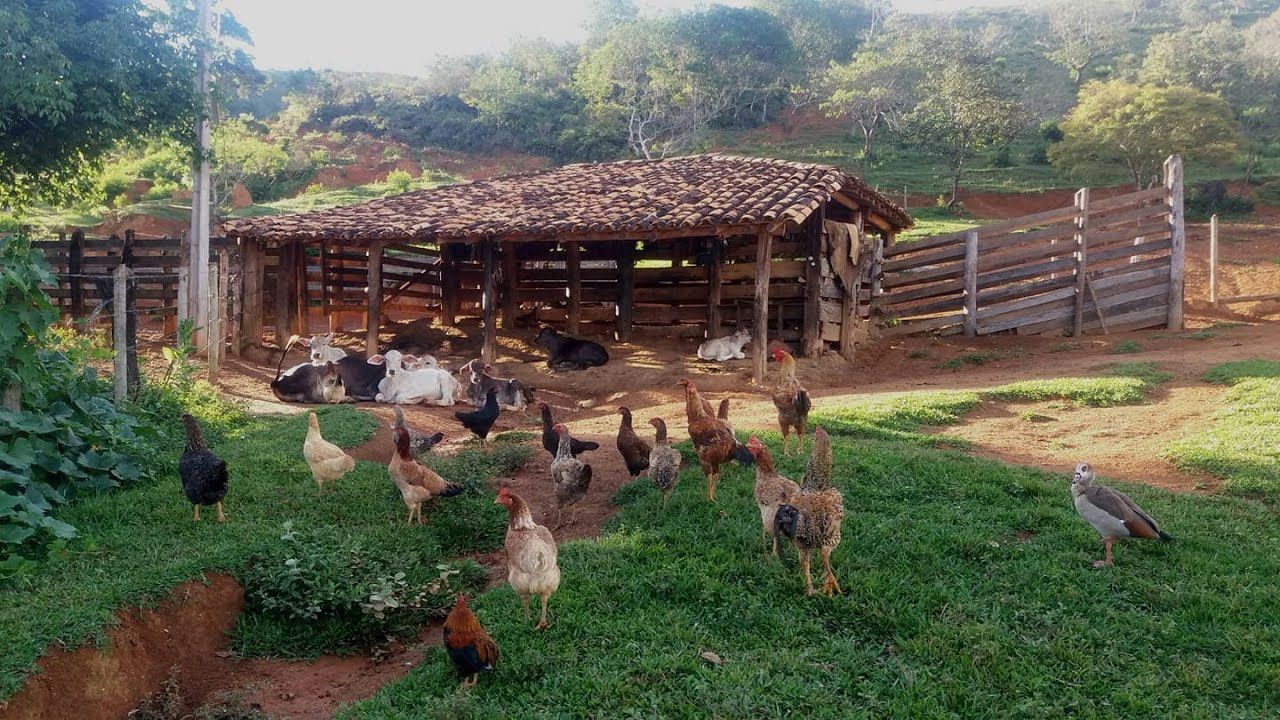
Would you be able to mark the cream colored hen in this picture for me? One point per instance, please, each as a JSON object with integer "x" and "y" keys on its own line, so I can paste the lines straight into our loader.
{"x": 328, "y": 462}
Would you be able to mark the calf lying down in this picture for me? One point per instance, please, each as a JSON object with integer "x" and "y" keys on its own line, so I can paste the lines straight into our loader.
{"x": 725, "y": 348}
{"x": 409, "y": 382}
{"x": 308, "y": 383}
{"x": 511, "y": 393}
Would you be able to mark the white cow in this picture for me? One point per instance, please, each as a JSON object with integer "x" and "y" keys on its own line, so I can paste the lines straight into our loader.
{"x": 409, "y": 383}
{"x": 322, "y": 349}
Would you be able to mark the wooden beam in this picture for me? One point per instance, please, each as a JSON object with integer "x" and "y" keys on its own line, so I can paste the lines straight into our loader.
{"x": 971, "y": 284}
{"x": 811, "y": 339}
{"x": 373, "y": 321}
{"x": 1082, "y": 263}
{"x": 715, "y": 267}
{"x": 75, "y": 265}
{"x": 573, "y": 287}
{"x": 1213, "y": 259}
{"x": 1178, "y": 250}
{"x": 283, "y": 293}
{"x": 510, "y": 286}
{"x": 489, "y": 300}
{"x": 849, "y": 300}
{"x": 760, "y": 333}
{"x": 626, "y": 289}
{"x": 251, "y": 268}
{"x": 300, "y": 289}
{"x": 450, "y": 284}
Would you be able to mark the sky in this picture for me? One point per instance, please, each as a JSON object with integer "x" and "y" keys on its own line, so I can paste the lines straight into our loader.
{"x": 405, "y": 36}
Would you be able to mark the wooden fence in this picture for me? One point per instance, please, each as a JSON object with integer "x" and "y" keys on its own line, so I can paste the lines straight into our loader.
{"x": 1109, "y": 265}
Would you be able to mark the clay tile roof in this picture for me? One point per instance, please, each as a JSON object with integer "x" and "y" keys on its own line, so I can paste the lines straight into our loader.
{"x": 629, "y": 196}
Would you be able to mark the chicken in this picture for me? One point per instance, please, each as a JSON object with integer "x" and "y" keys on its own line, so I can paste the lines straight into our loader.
{"x": 482, "y": 420}
{"x": 204, "y": 475}
{"x": 664, "y": 461}
{"x": 771, "y": 490}
{"x": 713, "y": 440}
{"x": 791, "y": 399}
{"x": 1112, "y": 513}
{"x": 418, "y": 442}
{"x": 328, "y": 462}
{"x": 740, "y": 451}
{"x": 551, "y": 441}
{"x": 812, "y": 520}
{"x": 634, "y": 451}
{"x": 469, "y": 647}
{"x": 570, "y": 475}
{"x": 531, "y": 555}
{"x": 417, "y": 483}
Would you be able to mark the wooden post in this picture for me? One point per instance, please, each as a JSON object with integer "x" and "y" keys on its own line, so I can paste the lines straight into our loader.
{"x": 760, "y": 333}
{"x": 1082, "y": 261}
{"x": 120, "y": 333}
{"x": 222, "y": 300}
{"x": 300, "y": 319}
{"x": 184, "y": 268}
{"x": 1178, "y": 248}
{"x": 715, "y": 270}
{"x": 812, "y": 336}
{"x": 624, "y": 312}
{"x": 510, "y": 285}
{"x": 877, "y": 266}
{"x": 971, "y": 283}
{"x": 1213, "y": 259}
{"x": 849, "y": 299}
{"x": 213, "y": 326}
{"x": 284, "y": 261}
{"x": 449, "y": 286}
{"x": 573, "y": 268}
{"x": 237, "y": 308}
{"x": 251, "y": 268}
{"x": 75, "y": 266}
{"x": 373, "y": 320}
{"x": 489, "y": 301}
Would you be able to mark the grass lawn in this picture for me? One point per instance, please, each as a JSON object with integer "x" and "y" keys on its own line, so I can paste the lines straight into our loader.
{"x": 1243, "y": 444}
{"x": 137, "y": 544}
{"x": 1126, "y": 384}
{"x": 969, "y": 593}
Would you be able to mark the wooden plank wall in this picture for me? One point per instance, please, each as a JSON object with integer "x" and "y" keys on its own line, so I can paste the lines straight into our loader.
{"x": 1027, "y": 272}
{"x": 155, "y": 261}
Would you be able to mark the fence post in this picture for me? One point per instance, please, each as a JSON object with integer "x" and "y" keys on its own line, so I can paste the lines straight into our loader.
{"x": 626, "y": 290}
{"x": 237, "y": 306}
{"x": 811, "y": 338}
{"x": 75, "y": 266}
{"x": 120, "y": 331}
{"x": 1178, "y": 249}
{"x": 715, "y": 276}
{"x": 1213, "y": 259}
{"x": 760, "y": 330}
{"x": 1082, "y": 251}
{"x": 971, "y": 283}
{"x": 573, "y": 289}
{"x": 489, "y": 300}
{"x": 184, "y": 281}
{"x": 213, "y": 330}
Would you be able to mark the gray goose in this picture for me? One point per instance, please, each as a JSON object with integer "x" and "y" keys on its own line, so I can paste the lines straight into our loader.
{"x": 1112, "y": 513}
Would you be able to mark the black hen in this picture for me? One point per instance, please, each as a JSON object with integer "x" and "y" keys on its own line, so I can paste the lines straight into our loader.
{"x": 204, "y": 475}
{"x": 482, "y": 420}
{"x": 418, "y": 443}
{"x": 551, "y": 441}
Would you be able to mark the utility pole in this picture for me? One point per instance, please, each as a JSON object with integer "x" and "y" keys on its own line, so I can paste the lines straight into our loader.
{"x": 198, "y": 238}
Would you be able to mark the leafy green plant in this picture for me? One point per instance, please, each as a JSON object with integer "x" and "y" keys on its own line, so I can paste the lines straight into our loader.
{"x": 1127, "y": 347}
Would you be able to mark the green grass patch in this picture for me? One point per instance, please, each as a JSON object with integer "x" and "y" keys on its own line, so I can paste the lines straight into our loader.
{"x": 898, "y": 417}
{"x": 970, "y": 358}
{"x": 1126, "y": 384}
{"x": 1128, "y": 347}
{"x": 1230, "y": 373}
{"x": 969, "y": 593}
{"x": 137, "y": 544}
{"x": 932, "y": 221}
{"x": 1243, "y": 444}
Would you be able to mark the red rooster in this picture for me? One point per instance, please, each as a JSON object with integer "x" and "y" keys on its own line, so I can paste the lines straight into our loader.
{"x": 468, "y": 645}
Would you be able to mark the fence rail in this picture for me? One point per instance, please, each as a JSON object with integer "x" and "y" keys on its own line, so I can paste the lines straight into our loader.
{"x": 1112, "y": 264}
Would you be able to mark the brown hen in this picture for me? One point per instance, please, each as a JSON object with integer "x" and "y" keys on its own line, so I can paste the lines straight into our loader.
{"x": 812, "y": 520}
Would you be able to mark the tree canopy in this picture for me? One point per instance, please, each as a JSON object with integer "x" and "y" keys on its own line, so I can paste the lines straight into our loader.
{"x": 1138, "y": 126}
{"x": 76, "y": 78}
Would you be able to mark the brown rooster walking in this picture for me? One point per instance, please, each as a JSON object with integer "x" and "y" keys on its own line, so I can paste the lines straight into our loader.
{"x": 713, "y": 439}
{"x": 812, "y": 520}
{"x": 791, "y": 399}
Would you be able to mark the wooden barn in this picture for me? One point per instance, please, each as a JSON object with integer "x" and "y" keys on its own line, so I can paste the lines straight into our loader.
{"x": 686, "y": 247}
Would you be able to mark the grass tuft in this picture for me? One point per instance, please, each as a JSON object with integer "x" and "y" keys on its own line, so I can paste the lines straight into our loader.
{"x": 1243, "y": 444}
{"x": 1127, "y": 384}
{"x": 1230, "y": 373}
{"x": 1128, "y": 347}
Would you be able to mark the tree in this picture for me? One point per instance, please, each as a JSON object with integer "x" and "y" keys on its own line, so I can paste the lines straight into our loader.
{"x": 820, "y": 32}
{"x": 1081, "y": 32}
{"x": 1138, "y": 126}
{"x": 76, "y": 78}
{"x": 241, "y": 152}
{"x": 964, "y": 103}
{"x": 875, "y": 89}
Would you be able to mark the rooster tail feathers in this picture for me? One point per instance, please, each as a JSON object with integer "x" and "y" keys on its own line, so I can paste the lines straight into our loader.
{"x": 743, "y": 455}
{"x": 436, "y": 439}
{"x": 588, "y": 445}
{"x": 803, "y": 403}
{"x": 785, "y": 519}
{"x": 451, "y": 489}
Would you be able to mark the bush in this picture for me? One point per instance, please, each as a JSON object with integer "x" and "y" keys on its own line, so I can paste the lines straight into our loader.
{"x": 1209, "y": 198}
{"x": 1002, "y": 157}
{"x": 398, "y": 181}
{"x": 67, "y": 437}
{"x": 162, "y": 190}
{"x": 348, "y": 586}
